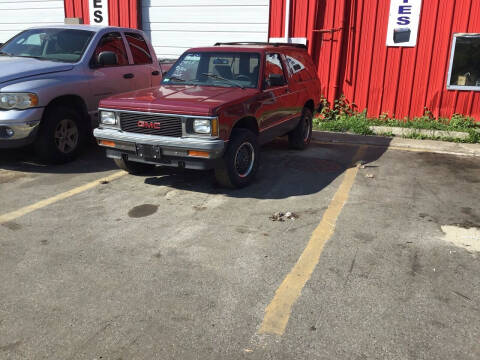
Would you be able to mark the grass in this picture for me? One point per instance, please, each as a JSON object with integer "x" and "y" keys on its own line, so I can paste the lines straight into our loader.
{"x": 341, "y": 118}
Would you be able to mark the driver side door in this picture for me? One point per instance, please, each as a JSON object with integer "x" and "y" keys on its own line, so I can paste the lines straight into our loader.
{"x": 109, "y": 80}
{"x": 276, "y": 100}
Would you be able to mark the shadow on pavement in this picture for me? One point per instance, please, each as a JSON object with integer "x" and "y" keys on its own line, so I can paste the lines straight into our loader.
{"x": 92, "y": 160}
{"x": 283, "y": 172}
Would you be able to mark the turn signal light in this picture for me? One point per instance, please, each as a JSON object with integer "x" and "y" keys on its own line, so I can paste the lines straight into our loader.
{"x": 106, "y": 143}
{"x": 204, "y": 154}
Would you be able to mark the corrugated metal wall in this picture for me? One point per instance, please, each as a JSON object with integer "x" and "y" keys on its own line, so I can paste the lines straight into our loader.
{"x": 397, "y": 81}
{"x": 120, "y": 12}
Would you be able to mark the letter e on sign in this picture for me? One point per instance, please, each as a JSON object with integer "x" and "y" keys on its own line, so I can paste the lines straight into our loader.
{"x": 98, "y": 11}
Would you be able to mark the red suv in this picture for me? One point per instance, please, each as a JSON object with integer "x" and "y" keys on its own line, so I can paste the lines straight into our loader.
{"x": 213, "y": 110}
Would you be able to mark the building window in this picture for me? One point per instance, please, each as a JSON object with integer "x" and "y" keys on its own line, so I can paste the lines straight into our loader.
{"x": 464, "y": 71}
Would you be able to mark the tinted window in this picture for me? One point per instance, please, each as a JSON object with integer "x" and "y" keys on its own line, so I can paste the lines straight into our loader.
{"x": 112, "y": 42}
{"x": 215, "y": 69}
{"x": 465, "y": 70}
{"x": 64, "y": 45}
{"x": 297, "y": 67}
{"x": 139, "y": 49}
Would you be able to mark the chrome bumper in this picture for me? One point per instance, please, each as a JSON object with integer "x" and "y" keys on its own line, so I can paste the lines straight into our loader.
{"x": 168, "y": 144}
{"x": 24, "y": 123}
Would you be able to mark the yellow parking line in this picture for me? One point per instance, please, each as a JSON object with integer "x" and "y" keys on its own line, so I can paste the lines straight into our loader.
{"x": 42, "y": 203}
{"x": 278, "y": 311}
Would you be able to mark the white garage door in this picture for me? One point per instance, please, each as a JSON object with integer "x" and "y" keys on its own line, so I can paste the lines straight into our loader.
{"x": 176, "y": 25}
{"x": 17, "y": 15}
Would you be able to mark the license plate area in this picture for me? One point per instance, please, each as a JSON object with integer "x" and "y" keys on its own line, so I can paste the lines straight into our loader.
{"x": 149, "y": 152}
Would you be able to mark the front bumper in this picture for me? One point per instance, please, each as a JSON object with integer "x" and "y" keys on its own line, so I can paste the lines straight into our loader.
{"x": 173, "y": 151}
{"x": 24, "y": 123}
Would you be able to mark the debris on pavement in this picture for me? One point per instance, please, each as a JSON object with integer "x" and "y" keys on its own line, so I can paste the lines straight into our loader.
{"x": 280, "y": 216}
{"x": 370, "y": 176}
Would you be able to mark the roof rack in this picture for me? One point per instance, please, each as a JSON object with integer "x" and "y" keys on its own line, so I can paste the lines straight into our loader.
{"x": 261, "y": 43}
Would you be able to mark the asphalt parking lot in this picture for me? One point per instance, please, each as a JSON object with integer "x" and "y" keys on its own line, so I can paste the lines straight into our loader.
{"x": 380, "y": 262}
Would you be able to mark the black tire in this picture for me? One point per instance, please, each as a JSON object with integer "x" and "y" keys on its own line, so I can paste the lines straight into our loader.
{"x": 300, "y": 137}
{"x": 134, "y": 168}
{"x": 61, "y": 135}
{"x": 240, "y": 161}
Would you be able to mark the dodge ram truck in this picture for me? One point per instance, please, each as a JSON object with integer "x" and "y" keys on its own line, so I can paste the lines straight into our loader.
{"x": 213, "y": 110}
{"x": 53, "y": 77}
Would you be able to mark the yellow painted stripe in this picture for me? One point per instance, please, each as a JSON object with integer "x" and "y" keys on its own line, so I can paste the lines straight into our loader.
{"x": 278, "y": 311}
{"x": 62, "y": 196}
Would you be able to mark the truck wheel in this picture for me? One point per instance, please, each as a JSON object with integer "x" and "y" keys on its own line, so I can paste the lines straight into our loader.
{"x": 134, "y": 168}
{"x": 299, "y": 138}
{"x": 61, "y": 135}
{"x": 240, "y": 161}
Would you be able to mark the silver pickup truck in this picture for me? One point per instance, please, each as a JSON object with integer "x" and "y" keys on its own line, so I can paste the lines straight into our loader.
{"x": 52, "y": 79}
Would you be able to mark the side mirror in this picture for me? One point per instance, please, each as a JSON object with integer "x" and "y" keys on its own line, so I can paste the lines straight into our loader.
{"x": 107, "y": 58}
{"x": 274, "y": 80}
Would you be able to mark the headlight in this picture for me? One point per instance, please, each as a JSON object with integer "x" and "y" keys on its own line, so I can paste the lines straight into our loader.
{"x": 108, "y": 118}
{"x": 201, "y": 126}
{"x": 18, "y": 100}
{"x": 206, "y": 126}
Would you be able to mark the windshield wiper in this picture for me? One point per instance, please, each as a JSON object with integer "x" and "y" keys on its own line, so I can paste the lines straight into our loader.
{"x": 175, "y": 79}
{"x": 5, "y": 53}
{"x": 224, "y": 79}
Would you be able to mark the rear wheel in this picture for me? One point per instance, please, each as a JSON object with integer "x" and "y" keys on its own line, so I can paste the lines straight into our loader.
{"x": 134, "y": 168}
{"x": 300, "y": 137}
{"x": 61, "y": 135}
{"x": 240, "y": 161}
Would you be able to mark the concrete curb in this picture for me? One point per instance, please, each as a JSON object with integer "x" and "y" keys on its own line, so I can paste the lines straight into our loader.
{"x": 440, "y": 147}
{"x": 400, "y": 131}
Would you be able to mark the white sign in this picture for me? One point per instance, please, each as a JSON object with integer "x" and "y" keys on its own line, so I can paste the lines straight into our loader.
{"x": 403, "y": 22}
{"x": 98, "y": 12}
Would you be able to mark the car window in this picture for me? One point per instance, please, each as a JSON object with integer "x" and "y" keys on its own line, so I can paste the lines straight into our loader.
{"x": 273, "y": 66}
{"x": 139, "y": 48}
{"x": 297, "y": 68}
{"x": 112, "y": 42}
{"x": 66, "y": 45}
{"x": 222, "y": 69}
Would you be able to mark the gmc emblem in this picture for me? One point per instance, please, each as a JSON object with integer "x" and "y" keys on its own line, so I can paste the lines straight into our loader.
{"x": 148, "y": 124}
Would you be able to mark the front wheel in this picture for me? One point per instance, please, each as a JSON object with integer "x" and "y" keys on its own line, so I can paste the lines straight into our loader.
{"x": 61, "y": 135}
{"x": 134, "y": 168}
{"x": 240, "y": 161}
{"x": 300, "y": 137}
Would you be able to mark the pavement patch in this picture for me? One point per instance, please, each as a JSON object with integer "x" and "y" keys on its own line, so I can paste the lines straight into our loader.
{"x": 143, "y": 210}
{"x": 467, "y": 238}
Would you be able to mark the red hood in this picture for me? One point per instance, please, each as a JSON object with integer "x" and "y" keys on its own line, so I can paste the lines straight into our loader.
{"x": 177, "y": 99}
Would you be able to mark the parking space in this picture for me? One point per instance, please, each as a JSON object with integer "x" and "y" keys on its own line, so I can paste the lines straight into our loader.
{"x": 170, "y": 266}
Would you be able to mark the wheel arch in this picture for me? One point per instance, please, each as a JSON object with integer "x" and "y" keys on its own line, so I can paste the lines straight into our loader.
{"x": 70, "y": 101}
{"x": 247, "y": 122}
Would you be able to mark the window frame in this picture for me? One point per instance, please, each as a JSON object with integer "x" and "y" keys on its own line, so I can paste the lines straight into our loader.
{"x": 93, "y": 60}
{"x": 126, "y": 34}
{"x": 286, "y": 76}
{"x": 450, "y": 66}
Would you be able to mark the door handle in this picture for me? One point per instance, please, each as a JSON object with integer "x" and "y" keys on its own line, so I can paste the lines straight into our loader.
{"x": 156, "y": 72}
{"x": 128, "y": 76}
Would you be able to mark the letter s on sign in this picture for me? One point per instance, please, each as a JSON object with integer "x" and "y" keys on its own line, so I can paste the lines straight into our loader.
{"x": 97, "y": 16}
{"x": 403, "y": 20}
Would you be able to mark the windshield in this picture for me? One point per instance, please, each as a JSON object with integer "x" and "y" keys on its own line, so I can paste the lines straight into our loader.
{"x": 64, "y": 45}
{"x": 215, "y": 69}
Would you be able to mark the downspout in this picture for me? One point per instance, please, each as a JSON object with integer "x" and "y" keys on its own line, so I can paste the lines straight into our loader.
{"x": 287, "y": 21}
{"x": 342, "y": 28}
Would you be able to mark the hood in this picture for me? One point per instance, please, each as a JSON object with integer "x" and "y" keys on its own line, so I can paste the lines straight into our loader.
{"x": 15, "y": 68}
{"x": 178, "y": 99}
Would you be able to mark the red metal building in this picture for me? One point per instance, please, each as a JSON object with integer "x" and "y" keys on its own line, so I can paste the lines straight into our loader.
{"x": 347, "y": 39}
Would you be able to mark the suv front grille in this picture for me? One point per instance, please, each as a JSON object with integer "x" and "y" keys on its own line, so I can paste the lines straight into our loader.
{"x": 166, "y": 125}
